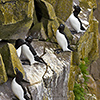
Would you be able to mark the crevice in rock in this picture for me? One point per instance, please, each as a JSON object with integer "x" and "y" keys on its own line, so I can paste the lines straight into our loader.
{"x": 41, "y": 10}
{"x": 42, "y": 14}
{"x": 29, "y": 93}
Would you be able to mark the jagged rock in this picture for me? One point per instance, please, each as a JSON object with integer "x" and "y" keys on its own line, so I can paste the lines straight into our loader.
{"x": 44, "y": 9}
{"x": 91, "y": 97}
{"x": 92, "y": 85}
{"x": 52, "y": 85}
{"x": 87, "y": 46}
{"x": 95, "y": 66}
{"x": 91, "y": 3}
{"x": 38, "y": 31}
{"x": 3, "y": 74}
{"x": 62, "y": 8}
{"x": 11, "y": 59}
{"x": 88, "y": 43}
{"x": 16, "y": 18}
{"x": 45, "y": 13}
{"x": 52, "y": 28}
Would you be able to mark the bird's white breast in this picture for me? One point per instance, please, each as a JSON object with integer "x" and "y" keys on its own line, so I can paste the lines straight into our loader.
{"x": 27, "y": 53}
{"x": 61, "y": 40}
{"x": 17, "y": 90}
{"x": 19, "y": 51}
{"x": 74, "y": 22}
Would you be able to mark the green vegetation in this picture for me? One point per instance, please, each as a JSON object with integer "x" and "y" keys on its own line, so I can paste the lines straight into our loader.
{"x": 83, "y": 67}
{"x": 79, "y": 92}
{"x": 79, "y": 89}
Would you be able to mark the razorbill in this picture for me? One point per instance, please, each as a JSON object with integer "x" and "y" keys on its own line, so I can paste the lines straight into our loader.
{"x": 18, "y": 45}
{"x": 74, "y": 20}
{"x": 17, "y": 87}
{"x": 28, "y": 41}
{"x": 62, "y": 38}
{"x": 27, "y": 50}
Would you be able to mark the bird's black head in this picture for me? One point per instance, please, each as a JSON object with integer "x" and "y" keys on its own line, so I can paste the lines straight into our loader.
{"x": 61, "y": 28}
{"x": 19, "y": 76}
{"x": 29, "y": 39}
{"x": 18, "y": 43}
{"x": 77, "y": 9}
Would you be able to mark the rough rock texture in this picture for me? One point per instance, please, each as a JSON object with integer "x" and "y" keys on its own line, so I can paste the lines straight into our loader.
{"x": 96, "y": 14}
{"x": 95, "y": 67}
{"x": 3, "y": 74}
{"x": 92, "y": 85}
{"x": 37, "y": 30}
{"x": 86, "y": 47}
{"x": 39, "y": 17}
{"x": 52, "y": 84}
{"x": 62, "y": 8}
{"x": 46, "y": 15}
{"x": 16, "y": 18}
{"x": 10, "y": 59}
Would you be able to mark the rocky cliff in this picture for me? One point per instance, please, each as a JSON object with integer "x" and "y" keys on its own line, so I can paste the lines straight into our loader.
{"x": 41, "y": 18}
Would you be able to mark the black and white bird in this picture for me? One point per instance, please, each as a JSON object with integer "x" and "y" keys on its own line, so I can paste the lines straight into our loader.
{"x": 62, "y": 38}
{"x": 74, "y": 20}
{"x": 17, "y": 87}
{"x": 18, "y": 46}
{"x": 27, "y": 50}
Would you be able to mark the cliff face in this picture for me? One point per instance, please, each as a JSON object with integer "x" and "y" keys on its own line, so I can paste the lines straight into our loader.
{"x": 41, "y": 18}
{"x": 87, "y": 48}
{"x": 95, "y": 70}
{"x": 45, "y": 83}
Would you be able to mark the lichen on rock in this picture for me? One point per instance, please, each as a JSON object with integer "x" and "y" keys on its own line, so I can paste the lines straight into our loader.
{"x": 62, "y": 8}
{"x": 11, "y": 59}
{"x": 3, "y": 74}
{"x": 87, "y": 46}
{"x": 16, "y": 18}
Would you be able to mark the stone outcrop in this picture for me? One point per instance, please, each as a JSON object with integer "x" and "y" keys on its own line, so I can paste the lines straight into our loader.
{"x": 41, "y": 19}
{"x": 95, "y": 66}
{"x": 62, "y": 8}
{"x": 3, "y": 74}
{"x": 10, "y": 59}
{"x": 16, "y": 18}
{"x": 19, "y": 17}
{"x": 45, "y": 83}
{"x": 53, "y": 84}
{"x": 87, "y": 46}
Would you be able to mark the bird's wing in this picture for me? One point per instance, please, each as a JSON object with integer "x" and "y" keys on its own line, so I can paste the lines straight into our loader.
{"x": 66, "y": 38}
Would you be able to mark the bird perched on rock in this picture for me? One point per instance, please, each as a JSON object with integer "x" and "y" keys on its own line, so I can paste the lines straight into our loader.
{"x": 27, "y": 50}
{"x": 62, "y": 38}
{"x": 17, "y": 87}
{"x": 74, "y": 20}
